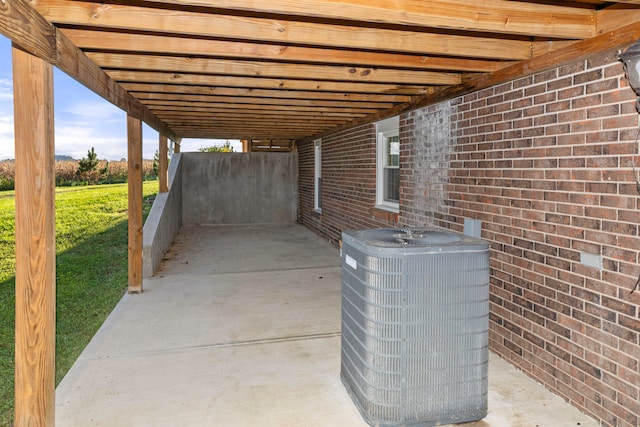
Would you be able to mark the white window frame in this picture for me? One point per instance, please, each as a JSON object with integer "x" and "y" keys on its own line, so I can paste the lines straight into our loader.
{"x": 317, "y": 175}
{"x": 384, "y": 130}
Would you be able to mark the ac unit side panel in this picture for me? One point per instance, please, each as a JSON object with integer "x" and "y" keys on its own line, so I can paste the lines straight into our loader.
{"x": 415, "y": 329}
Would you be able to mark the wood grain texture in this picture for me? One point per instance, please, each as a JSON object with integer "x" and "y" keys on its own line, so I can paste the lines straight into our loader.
{"x": 243, "y": 28}
{"x": 163, "y": 164}
{"x": 28, "y": 29}
{"x": 149, "y": 89}
{"x": 75, "y": 63}
{"x": 124, "y": 76}
{"x": 134, "y": 160}
{"x": 496, "y": 16}
{"x": 165, "y": 44}
{"x": 35, "y": 241}
{"x": 272, "y": 70}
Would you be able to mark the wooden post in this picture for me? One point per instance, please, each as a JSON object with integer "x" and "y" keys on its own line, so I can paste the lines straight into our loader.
{"x": 134, "y": 148}
{"x": 176, "y": 147}
{"x": 35, "y": 344}
{"x": 163, "y": 164}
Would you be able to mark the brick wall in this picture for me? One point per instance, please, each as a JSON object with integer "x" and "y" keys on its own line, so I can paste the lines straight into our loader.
{"x": 545, "y": 162}
{"x": 348, "y": 184}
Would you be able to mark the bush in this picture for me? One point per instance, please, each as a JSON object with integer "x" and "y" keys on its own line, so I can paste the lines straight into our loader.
{"x": 225, "y": 148}
{"x": 7, "y": 175}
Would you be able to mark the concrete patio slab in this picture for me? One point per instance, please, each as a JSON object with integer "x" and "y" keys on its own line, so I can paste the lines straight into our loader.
{"x": 242, "y": 328}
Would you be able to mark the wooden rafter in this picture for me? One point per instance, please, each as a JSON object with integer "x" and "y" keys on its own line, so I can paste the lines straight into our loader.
{"x": 272, "y": 70}
{"x": 97, "y": 40}
{"x": 492, "y": 16}
{"x": 134, "y": 18}
{"x": 327, "y": 64}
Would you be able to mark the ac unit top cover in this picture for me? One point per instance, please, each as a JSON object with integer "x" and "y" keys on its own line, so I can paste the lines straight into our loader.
{"x": 418, "y": 240}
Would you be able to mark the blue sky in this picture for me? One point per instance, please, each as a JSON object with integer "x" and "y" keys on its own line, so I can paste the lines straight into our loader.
{"x": 82, "y": 120}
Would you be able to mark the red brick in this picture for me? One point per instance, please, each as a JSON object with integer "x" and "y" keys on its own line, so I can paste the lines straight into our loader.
{"x": 602, "y": 86}
{"x": 588, "y": 76}
{"x": 620, "y": 122}
{"x": 546, "y": 187}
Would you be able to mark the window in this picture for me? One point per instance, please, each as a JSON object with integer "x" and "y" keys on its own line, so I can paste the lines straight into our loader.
{"x": 317, "y": 175}
{"x": 388, "y": 164}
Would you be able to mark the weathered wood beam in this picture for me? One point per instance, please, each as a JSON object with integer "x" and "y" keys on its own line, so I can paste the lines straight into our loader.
{"x": 146, "y": 96}
{"x": 186, "y": 117}
{"x": 495, "y": 16}
{"x": 204, "y": 113}
{"x": 136, "y": 88}
{"x": 76, "y": 64}
{"x": 123, "y": 76}
{"x": 143, "y": 43}
{"x": 35, "y": 320}
{"x": 628, "y": 1}
{"x": 223, "y": 133}
{"x": 606, "y": 42}
{"x": 181, "y": 64}
{"x": 134, "y": 18}
{"x": 25, "y": 27}
{"x": 284, "y": 129}
{"x": 28, "y": 29}
{"x": 163, "y": 182}
{"x": 258, "y": 122}
{"x": 616, "y": 16}
{"x": 134, "y": 161}
{"x": 197, "y": 106}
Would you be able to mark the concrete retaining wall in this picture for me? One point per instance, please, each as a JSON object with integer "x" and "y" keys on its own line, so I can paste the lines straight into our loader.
{"x": 164, "y": 220}
{"x": 239, "y": 188}
{"x": 220, "y": 188}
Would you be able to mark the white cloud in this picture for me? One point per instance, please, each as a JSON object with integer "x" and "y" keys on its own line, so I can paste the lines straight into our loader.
{"x": 77, "y": 140}
{"x": 95, "y": 110}
{"x": 6, "y": 90}
{"x": 7, "y": 146}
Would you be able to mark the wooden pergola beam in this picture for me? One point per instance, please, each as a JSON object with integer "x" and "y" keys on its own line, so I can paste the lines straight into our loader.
{"x": 214, "y": 99}
{"x": 76, "y": 64}
{"x": 498, "y": 16}
{"x": 134, "y": 160}
{"x": 608, "y": 41}
{"x": 163, "y": 182}
{"x": 100, "y": 40}
{"x": 35, "y": 322}
{"x": 200, "y": 106}
{"x": 157, "y": 77}
{"x": 138, "y": 88}
{"x": 25, "y": 27}
{"x": 272, "y": 70}
{"x": 134, "y": 18}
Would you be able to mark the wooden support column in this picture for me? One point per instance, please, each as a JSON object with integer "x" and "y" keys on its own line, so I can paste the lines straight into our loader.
{"x": 35, "y": 328}
{"x": 163, "y": 164}
{"x": 176, "y": 146}
{"x": 134, "y": 134}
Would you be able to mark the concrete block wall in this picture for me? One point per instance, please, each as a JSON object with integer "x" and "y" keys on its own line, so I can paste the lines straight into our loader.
{"x": 164, "y": 220}
{"x": 545, "y": 162}
{"x": 240, "y": 188}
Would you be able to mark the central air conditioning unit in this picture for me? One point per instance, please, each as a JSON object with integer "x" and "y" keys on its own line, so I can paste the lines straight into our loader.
{"x": 415, "y": 323}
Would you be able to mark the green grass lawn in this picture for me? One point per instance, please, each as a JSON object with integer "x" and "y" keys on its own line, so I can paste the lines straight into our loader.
{"x": 91, "y": 272}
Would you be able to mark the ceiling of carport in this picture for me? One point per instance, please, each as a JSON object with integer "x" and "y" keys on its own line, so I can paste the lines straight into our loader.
{"x": 285, "y": 69}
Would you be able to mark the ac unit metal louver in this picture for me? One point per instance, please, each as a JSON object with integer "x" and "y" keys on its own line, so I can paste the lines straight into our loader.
{"x": 415, "y": 320}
